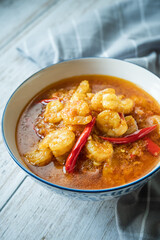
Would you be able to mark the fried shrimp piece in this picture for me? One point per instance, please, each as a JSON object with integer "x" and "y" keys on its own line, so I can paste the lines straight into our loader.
{"x": 111, "y": 123}
{"x": 98, "y": 151}
{"x": 110, "y": 101}
{"x": 76, "y": 113}
{"x": 132, "y": 124}
{"x": 90, "y": 96}
{"x": 52, "y": 113}
{"x": 155, "y": 119}
{"x": 81, "y": 91}
{"x": 59, "y": 141}
{"x": 127, "y": 105}
{"x": 83, "y": 87}
{"x": 39, "y": 157}
{"x": 96, "y": 101}
{"x": 78, "y": 97}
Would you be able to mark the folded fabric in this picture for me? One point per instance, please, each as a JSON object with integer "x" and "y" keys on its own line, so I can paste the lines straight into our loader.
{"x": 128, "y": 30}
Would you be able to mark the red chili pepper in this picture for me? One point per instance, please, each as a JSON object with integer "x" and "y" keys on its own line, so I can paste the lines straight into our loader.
{"x": 71, "y": 160}
{"x": 152, "y": 147}
{"x": 132, "y": 137}
{"x": 45, "y": 101}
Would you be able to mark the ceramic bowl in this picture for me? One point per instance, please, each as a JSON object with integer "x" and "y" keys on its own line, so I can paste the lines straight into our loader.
{"x": 33, "y": 85}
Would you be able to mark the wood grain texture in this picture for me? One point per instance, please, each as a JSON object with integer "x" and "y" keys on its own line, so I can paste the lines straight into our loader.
{"x": 29, "y": 211}
{"x": 36, "y": 213}
{"x": 13, "y": 72}
{"x": 19, "y": 15}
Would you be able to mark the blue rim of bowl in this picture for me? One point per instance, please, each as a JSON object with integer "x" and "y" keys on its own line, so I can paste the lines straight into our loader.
{"x": 55, "y": 185}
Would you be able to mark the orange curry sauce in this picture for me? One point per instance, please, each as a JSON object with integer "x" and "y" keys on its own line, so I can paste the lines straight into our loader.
{"x": 124, "y": 167}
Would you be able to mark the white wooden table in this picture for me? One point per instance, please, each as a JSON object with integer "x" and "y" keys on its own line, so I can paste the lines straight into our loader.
{"x": 28, "y": 211}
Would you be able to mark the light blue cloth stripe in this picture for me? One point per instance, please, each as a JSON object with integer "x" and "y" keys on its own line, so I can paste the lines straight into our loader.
{"x": 125, "y": 29}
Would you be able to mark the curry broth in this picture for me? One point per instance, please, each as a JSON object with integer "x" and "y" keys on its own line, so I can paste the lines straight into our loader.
{"x": 122, "y": 169}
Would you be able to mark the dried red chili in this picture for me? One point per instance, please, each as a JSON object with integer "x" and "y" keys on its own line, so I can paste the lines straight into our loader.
{"x": 132, "y": 137}
{"x": 152, "y": 147}
{"x": 71, "y": 160}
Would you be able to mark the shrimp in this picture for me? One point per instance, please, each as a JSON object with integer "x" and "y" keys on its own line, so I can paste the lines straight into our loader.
{"x": 108, "y": 100}
{"x": 52, "y": 113}
{"x": 39, "y": 157}
{"x": 97, "y": 151}
{"x": 127, "y": 105}
{"x": 76, "y": 113}
{"x": 81, "y": 91}
{"x": 111, "y": 123}
{"x": 155, "y": 119}
{"x": 111, "y": 101}
{"x": 83, "y": 87}
{"x": 59, "y": 141}
{"x": 96, "y": 101}
{"x": 132, "y": 125}
{"x": 90, "y": 96}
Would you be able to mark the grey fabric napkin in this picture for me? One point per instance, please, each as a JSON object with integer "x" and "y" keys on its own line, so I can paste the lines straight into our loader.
{"x": 128, "y": 30}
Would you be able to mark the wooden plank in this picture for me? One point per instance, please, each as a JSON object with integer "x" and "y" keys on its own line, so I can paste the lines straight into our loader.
{"x": 9, "y": 183}
{"x": 13, "y": 72}
{"x": 16, "y": 15}
{"x": 37, "y": 213}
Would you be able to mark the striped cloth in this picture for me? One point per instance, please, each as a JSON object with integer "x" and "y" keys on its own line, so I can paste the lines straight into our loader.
{"x": 128, "y": 30}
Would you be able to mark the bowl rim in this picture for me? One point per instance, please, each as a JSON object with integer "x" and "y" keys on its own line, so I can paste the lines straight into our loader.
{"x": 121, "y": 187}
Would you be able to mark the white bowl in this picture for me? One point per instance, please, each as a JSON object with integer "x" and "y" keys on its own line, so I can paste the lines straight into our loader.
{"x": 33, "y": 85}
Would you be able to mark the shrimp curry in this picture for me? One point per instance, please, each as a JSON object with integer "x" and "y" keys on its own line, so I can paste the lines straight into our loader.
{"x": 90, "y": 132}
